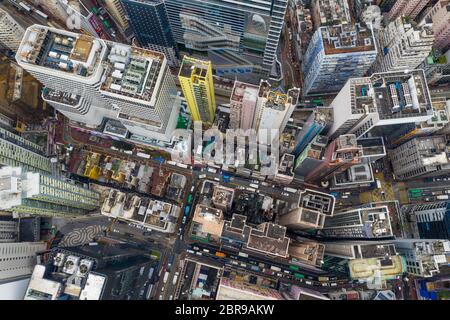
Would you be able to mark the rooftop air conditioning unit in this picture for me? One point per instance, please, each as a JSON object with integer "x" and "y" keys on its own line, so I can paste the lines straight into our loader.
{"x": 71, "y": 264}
{"x": 84, "y": 268}
{"x": 58, "y": 261}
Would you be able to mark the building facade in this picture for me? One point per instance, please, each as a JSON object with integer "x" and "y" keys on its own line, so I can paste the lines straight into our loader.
{"x": 90, "y": 80}
{"x": 440, "y": 16}
{"x": 239, "y": 37}
{"x": 407, "y": 8}
{"x": 11, "y": 32}
{"x": 335, "y": 54}
{"x": 18, "y": 259}
{"x": 244, "y": 98}
{"x": 197, "y": 83}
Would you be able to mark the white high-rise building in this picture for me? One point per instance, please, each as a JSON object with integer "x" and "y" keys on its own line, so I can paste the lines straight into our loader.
{"x": 273, "y": 110}
{"x": 11, "y": 32}
{"x": 18, "y": 259}
{"x": 383, "y": 99}
{"x": 403, "y": 45}
{"x": 243, "y": 105}
{"x": 91, "y": 80}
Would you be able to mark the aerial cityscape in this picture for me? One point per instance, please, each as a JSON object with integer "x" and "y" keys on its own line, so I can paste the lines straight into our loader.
{"x": 202, "y": 150}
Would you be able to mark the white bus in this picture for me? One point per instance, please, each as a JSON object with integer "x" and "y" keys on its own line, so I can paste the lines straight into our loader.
{"x": 166, "y": 276}
{"x": 275, "y": 268}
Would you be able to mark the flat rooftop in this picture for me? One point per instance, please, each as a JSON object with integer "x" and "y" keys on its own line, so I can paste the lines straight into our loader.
{"x": 244, "y": 92}
{"x": 133, "y": 72}
{"x": 333, "y": 11}
{"x": 210, "y": 219}
{"x": 317, "y": 201}
{"x": 76, "y": 54}
{"x": 191, "y": 67}
{"x": 401, "y": 95}
{"x": 347, "y": 38}
{"x": 269, "y": 238}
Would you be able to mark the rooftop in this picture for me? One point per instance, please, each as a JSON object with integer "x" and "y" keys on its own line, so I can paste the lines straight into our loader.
{"x": 244, "y": 92}
{"x": 308, "y": 252}
{"x": 317, "y": 201}
{"x": 132, "y": 72}
{"x": 433, "y": 149}
{"x": 194, "y": 68}
{"x": 347, "y": 38}
{"x": 210, "y": 219}
{"x": 68, "y": 52}
{"x": 333, "y": 11}
{"x": 269, "y": 238}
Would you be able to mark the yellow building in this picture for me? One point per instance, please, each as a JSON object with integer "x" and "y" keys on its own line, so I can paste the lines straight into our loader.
{"x": 198, "y": 88}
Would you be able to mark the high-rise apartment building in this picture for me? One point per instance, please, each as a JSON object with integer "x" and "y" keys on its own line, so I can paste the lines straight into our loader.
{"x": 311, "y": 157}
{"x": 339, "y": 155}
{"x": 197, "y": 83}
{"x": 273, "y": 110}
{"x": 330, "y": 12}
{"x": 437, "y": 68}
{"x": 150, "y": 24}
{"x": 100, "y": 272}
{"x": 383, "y": 99}
{"x": 11, "y": 32}
{"x": 17, "y": 152}
{"x": 421, "y": 157}
{"x": 403, "y": 45}
{"x": 90, "y": 80}
{"x": 407, "y": 8}
{"x": 432, "y": 219}
{"x": 244, "y": 98}
{"x": 440, "y": 16}
{"x": 307, "y": 253}
{"x": 360, "y": 249}
{"x": 317, "y": 121}
{"x": 240, "y": 37}
{"x": 18, "y": 259}
{"x": 362, "y": 223}
{"x": 9, "y": 231}
{"x": 35, "y": 193}
{"x": 335, "y": 54}
{"x": 423, "y": 257}
{"x": 309, "y": 212}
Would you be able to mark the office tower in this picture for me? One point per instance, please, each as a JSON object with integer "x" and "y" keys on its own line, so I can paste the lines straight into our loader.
{"x": 403, "y": 45}
{"x": 330, "y": 12}
{"x": 311, "y": 157}
{"x": 432, "y": 219}
{"x": 384, "y": 99}
{"x": 307, "y": 253}
{"x": 240, "y": 37}
{"x": 9, "y": 231}
{"x": 243, "y": 105}
{"x": 360, "y": 249}
{"x": 421, "y": 157}
{"x": 335, "y": 54}
{"x": 375, "y": 271}
{"x": 11, "y": 32}
{"x": 18, "y": 259}
{"x": 362, "y": 223}
{"x": 339, "y": 155}
{"x": 35, "y": 193}
{"x": 423, "y": 257}
{"x": 150, "y": 24}
{"x": 116, "y": 10}
{"x": 273, "y": 110}
{"x": 407, "y": 8}
{"x": 16, "y": 151}
{"x": 315, "y": 124}
{"x": 197, "y": 83}
{"x": 440, "y": 16}
{"x": 90, "y": 81}
{"x": 100, "y": 272}
{"x": 309, "y": 212}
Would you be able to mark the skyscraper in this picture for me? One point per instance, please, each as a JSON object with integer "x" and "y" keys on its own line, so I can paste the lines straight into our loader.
{"x": 421, "y": 157}
{"x": 383, "y": 99}
{"x": 335, "y": 54}
{"x": 11, "y": 32}
{"x": 360, "y": 249}
{"x": 403, "y": 45}
{"x": 90, "y": 81}
{"x": 244, "y": 98}
{"x": 35, "y": 193}
{"x": 16, "y": 151}
{"x": 151, "y": 27}
{"x": 17, "y": 259}
{"x": 239, "y": 37}
{"x": 274, "y": 109}
{"x": 196, "y": 81}
{"x": 101, "y": 272}
{"x": 362, "y": 223}
{"x": 440, "y": 16}
{"x": 407, "y": 8}
{"x": 432, "y": 219}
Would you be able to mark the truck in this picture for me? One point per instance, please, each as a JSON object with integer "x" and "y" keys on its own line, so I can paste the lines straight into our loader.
{"x": 202, "y": 176}
{"x": 442, "y": 197}
{"x": 182, "y": 165}
{"x": 220, "y": 254}
{"x": 143, "y": 155}
{"x": 291, "y": 190}
{"x": 175, "y": 278}
{"x": 243, "y": 254}
{"x": 41, "y": 14}
{"x": 25, "y": 7}
{"x": 274, "y": 268}
{"x": 166, "y": 276}
{"x": 212, "y": 170}
{"x": 150, "y": 272}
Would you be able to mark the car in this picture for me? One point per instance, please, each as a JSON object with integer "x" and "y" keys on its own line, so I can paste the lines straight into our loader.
{"x": 308, "y": 282}
{"x": 184, "y": 220}
{"x": 179, "y": 231}
{"x": 285, "y": 194}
